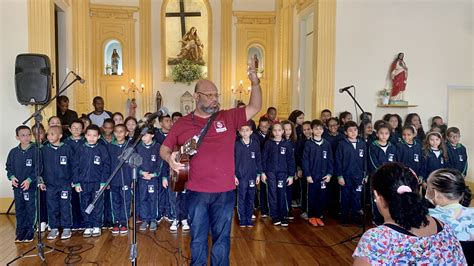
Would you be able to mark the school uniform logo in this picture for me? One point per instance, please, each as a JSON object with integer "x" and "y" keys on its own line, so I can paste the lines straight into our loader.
{"x": 416, "y": 158}
{"x": 97, "y": 160}
{"x": 359, "y": 188}
{"x": 280, "y": 184}
{"x": 361, "y": 152}
{"x": 325, "y": 154}
{"x": 29, "y": 162}
{"x": 64, "y": 194}
{"x": 62, "y": 160}
{"x": 461, "y": 159}
{"x": 26, "y": 196}
{"x": 251, "y": 183}
{"x": 323, "y": 185}
{"x": 153, "y": 158}
{"x": 125, "y": 188}
{"x": 442, "y": 160}
{"x": 220, "y": 126}
{"x": 282, "y": 150}
{"x": 252, "y": 155}
{"x": 390, "y": 157}
{"x": 151, "y": 189}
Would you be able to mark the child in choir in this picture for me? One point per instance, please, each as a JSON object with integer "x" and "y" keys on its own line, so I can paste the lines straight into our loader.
{"x": 150, "y": 173}
{"x": 43, "y": 208}
{"x": 297, "y": 118}
{"x": 91, "y": 168}
{"x": 395, "y": 122}
{"x": 54, "y": 121}
{"x": 414, "y": 119}
{"x": 365, "y": 116}
{"x": 437, "y": 121}
{"x": 350, "y": 169}
{"x": 118, "y": 118}
{"x": 107, "y": 138}
{"x": 271, "y": 114}
{"x": 307, "y": 133}
{"x": 290, "y": 136}
{"x": 175, "y": 116}
{"x": 324, "y": 117}
{"x": 178, "y": 211}
{"x": 317, "y": 164}
{"x": 409, "y": 150}
{"x": 344, "y": 117}
{"x": 163, "y": 194}
{"x": 456, "y": 151}
{"x": 21, "y": 171}
{"x": 108, "y": 129}
{"x": 278, "y": 165}
{"x": 380, "y": 151}
{"x": 132, "y": 128}
{"x": 435, "y": 155}
{"x": 121, "y": 184}
{"x": 57, "y": 174}
{"x": 333, "y": 134}
{"x": 261, "y": 136}
{"x": 366, "y": 131}
{"x": 86, "y": 121}
{"x": 248, "y": 168}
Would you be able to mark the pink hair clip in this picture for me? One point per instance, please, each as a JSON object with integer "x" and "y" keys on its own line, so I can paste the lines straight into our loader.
{"x": 402, "y": 189}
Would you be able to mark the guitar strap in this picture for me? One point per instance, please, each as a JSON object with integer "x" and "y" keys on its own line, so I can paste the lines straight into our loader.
{"x": 204, "y": 130}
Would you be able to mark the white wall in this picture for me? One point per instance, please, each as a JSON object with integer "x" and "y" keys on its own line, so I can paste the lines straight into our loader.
{"x": 14, "y": 31}
{"x": 436, "y": 37}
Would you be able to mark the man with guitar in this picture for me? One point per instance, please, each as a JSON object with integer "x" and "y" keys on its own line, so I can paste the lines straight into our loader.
{"x": 210, "y": 187}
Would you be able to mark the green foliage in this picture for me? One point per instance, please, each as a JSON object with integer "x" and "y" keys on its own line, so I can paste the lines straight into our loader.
{"x": 186, "y": 72}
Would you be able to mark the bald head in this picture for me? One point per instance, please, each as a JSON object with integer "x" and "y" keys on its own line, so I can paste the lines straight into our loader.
{"x": 205, "y": 84}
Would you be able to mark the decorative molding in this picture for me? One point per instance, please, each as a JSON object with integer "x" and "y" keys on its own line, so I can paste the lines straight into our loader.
{"x": 163, "y": 40}
{"x": 259, "y": 18}
{"x": 112, "y": 12}
{"x": 81, "y": 52}
{"x": 324, "y": 55}
{"x": 302, "y": 4}
{"x": 226, "y": 52}
{"x": 146, "y": 64}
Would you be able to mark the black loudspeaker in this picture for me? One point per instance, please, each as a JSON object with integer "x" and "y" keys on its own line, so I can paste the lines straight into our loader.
{"x": 32, "y": 79}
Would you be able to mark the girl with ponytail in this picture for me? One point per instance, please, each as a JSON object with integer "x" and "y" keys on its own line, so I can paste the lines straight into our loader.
{"x": 409, "y": 235}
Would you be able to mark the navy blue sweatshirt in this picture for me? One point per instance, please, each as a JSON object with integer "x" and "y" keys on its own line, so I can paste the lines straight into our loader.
{"x": 278, "y": 157}
{"x": 351, "y": 162}
{"x": 21, "y": 164}
{"x": 333, "y": 140}
{"x": 74, "y": 143}
{"x": 152, "y": 162}
{"x": 299, "y": 151}
{"x": 395, "y": 137}
{"x": 260, "y": 138}
{"x": 432, "y": 163}
{"x": 248, "y": 160}
{"x": 377, "y": 156}
{"x": 115, "y": 150}
{"x": 159, "y": 136}
{"x": 91, "y": 164}
{"x": 317, "y": 160}
{"x": 57, "y": 165}
{"x": 410, "y": 155}
{"x": 458, "y": 157}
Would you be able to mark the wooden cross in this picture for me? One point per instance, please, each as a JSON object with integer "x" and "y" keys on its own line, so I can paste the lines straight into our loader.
{"x": 183, "y": 15}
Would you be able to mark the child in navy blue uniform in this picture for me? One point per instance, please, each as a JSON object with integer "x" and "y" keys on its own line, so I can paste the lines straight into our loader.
{"x": 108, "y": 129}
{"x": 91, "y": 168}
{"x": 344, "y": 117}
{"x": 248, "y": 168}
{"x": 435, "y": 155}
{"x": 21, "y": 172}
{"x": 409, "y": 150}
{"x": 278, "y": 166}
{"x": 132, "y": 128}
{"x": 395, "y": 122}
{"x": 289, "y": 135}
{"x": 381, "y": 151}
{"x": 107, "y": 138}
{"x": 74, "y": 141}
{"x": 57, "y": 174}
{"x": 366, "y": 132}
{"x": 163, "y": 192}
{"x": 317, "y": 164}
{"x": 121, "y": 184}
{"x": 456, "y": 151}
{"x": 350, "y": 169}
{"x": 303, "y": 186}
{"x": 261, "y": 136}
{"x": 150, "y": 173}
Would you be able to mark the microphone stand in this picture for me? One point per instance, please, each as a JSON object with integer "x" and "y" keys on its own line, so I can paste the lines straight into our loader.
{"x": 134, "y": 160}
{"x": 39, "y": 180}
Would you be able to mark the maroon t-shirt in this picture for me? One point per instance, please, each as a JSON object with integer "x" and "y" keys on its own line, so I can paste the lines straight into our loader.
{"x": 212, "y": 168}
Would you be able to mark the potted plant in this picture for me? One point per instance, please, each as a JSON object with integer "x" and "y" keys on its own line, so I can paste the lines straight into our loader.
{"x": 186, "y": 72}
{"x": 384, "y": 94}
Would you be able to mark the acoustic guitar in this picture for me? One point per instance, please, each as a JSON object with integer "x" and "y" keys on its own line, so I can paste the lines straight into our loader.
{"x": 178, "y": 179}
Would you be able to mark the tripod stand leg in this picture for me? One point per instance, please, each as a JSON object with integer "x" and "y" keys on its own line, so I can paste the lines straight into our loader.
{"x": 21, "y": 255}
{"x": 11, "y": 206}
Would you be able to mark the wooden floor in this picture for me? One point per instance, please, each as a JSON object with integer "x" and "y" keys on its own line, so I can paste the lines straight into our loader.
{"x": 265, "y": 244}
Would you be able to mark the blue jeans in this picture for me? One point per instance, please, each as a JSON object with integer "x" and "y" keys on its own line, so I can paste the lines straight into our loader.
{"x": 210, "y": 212}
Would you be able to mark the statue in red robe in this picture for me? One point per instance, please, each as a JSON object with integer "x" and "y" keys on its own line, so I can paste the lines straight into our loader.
{"x": 399, "y": 75}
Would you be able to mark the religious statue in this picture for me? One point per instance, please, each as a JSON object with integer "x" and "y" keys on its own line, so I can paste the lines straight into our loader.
{"x": 255, "y": 60}
{"x": 398, "y": 75}
{"x": 115, "y": 62}
{"x": 159, "y": 100}
{"x": 132, "y": 107}
{"x": 191, "y": 49}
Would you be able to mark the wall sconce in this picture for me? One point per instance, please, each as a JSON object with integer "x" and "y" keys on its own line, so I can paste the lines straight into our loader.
{"x": 240, "y": 89}
{"x": 133, "y": 88}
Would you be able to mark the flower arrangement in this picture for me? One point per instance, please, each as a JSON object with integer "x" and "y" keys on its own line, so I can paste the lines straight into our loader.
{"x": 384, "y": 94}
{"x": 186, "y": 72}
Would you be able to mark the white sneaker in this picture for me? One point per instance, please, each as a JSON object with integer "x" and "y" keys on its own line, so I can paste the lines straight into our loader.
{"x": 96, "y": 232}
{"x": 43, "y": 226}
{"x": 87, "y": 232}
{"x": 184, "y": 224}
{"x": 254, "y": 217}
{"x": 174, "y": 226}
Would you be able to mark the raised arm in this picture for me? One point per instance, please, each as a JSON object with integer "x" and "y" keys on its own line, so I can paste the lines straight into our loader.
{"x": 255, "y": 102}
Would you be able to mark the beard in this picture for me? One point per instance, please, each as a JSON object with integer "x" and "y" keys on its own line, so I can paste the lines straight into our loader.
{"x": 208, "y": 109}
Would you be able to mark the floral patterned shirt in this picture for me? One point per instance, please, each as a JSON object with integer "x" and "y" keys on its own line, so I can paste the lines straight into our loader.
{"x": 383, "y": 245}
{"x": 460, "y": 218}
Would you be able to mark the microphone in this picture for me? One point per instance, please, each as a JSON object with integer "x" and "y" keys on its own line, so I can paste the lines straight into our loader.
{"x": 81, "y": 80}
{"x": 345, "y": 88}
{"x": 150, "y": 117}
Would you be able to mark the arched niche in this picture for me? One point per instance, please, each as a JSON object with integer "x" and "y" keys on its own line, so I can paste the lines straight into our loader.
{"x": 113, "y": 57}
{"x": 256, "y": 52}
